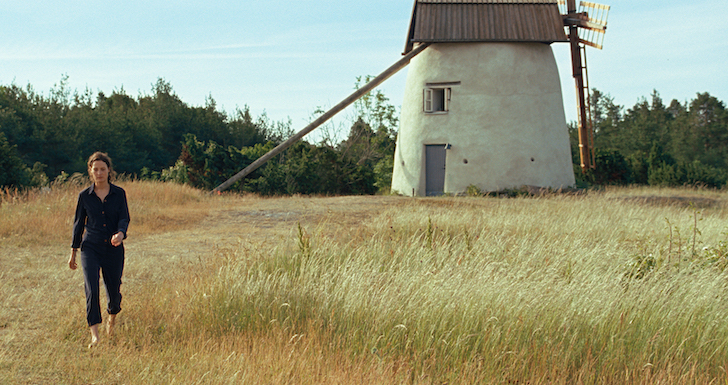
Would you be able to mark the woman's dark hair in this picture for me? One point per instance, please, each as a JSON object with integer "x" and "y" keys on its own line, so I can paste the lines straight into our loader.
{"x": 104, "y": 157}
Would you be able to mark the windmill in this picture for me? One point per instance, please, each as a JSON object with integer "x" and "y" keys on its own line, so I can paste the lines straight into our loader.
{"x": 483, "y": 104}
{"x": 458, "y": 49}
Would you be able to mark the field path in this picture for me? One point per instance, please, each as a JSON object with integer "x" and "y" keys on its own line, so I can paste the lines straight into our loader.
{"x": 260, "y": 220}
{"x": 34, "y": 280}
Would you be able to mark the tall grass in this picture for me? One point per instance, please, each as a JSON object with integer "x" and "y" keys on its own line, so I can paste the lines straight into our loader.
{"x": 521, "y": 290}
{"x": 45, "y": 216}
{"x": 41, "y": 300}
{"x": 622, "y": 286}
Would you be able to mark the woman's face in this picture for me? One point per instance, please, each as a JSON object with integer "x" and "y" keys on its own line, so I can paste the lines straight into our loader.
{"x": 99, "y": 171}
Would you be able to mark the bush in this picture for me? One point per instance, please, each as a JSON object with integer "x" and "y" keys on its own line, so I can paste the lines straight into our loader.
{"x": 301, "y": 169}
{"x": 697, "y": 173}
{"x": 665, "y": 175}
{"x": 611, "y": 169}
{"x": 176, "y": 173}
{"x": 640, "y": 169}
{"x": 383, "y": 174}
{"x": 691, "y": 174}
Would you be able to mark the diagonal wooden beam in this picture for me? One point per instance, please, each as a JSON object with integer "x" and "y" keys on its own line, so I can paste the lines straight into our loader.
{"x": 326, "y": 116}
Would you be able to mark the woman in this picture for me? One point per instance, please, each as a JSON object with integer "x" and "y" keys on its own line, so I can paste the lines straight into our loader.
{"x": 99, "y": 228}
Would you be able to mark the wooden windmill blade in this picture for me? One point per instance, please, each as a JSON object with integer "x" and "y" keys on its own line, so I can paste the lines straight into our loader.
{"x": 593, "y": 26}
{"x": 586, "y": 27}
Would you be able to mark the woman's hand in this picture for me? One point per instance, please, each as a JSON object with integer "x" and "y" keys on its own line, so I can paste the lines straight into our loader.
{"x": 117, "y": 239}
{"x": 72, "y": 260}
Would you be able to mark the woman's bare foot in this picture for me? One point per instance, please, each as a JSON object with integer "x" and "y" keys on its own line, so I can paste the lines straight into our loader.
{"x": 94, "y": 336}
{"x": 110, "y": 323}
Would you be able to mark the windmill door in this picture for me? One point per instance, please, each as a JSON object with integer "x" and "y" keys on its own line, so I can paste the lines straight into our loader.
{"x": 434, "y": 169}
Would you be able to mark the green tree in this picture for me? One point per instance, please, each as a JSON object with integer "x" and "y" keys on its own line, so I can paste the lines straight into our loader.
{"x": 703, "y": 132}
{"x": 59, "y": 131}
{"x": 13, "y": 172}
{"x": 644, "y": 125}
{"x": 606, "y": 120}
{"x": 36, "y": 126}
{"x": 244, "y": 132}
{"x": 372, "y": 136}
{"x": 167, "y": 115}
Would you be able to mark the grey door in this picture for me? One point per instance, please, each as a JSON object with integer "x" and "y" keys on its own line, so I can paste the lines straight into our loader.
{"x": 434, "y": 169}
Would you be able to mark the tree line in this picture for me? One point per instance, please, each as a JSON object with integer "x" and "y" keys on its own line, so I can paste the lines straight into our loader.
{"x": 158, "y": 136}
{"x": 656, "y": 144}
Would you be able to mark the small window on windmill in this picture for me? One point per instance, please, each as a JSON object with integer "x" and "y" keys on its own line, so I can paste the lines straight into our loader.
{"x": 437, "y": 99}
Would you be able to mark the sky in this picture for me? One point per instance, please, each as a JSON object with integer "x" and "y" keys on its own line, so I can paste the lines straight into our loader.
{"x": 288, "y": 58}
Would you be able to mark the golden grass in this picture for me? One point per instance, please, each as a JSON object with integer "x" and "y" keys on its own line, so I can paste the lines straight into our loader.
{"x": 45, "y": 216}
{"x": 383, "y": 290}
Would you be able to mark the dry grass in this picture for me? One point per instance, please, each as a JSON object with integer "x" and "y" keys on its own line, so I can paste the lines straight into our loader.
{"x": 383, "y": 290}
{"x": 44, "y": 217}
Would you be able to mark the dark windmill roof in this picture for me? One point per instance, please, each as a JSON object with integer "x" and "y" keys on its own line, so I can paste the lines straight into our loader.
{"x": 447, "y": 21}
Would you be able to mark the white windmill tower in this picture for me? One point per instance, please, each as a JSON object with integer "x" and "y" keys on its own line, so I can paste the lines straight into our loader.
{"x": 483, "y": 103}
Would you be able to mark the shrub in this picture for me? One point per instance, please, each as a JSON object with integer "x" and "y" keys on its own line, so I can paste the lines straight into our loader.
{"x": 611, "y": 169}
{"x": 683, "y": 173}
{"x": 301, "y": 169}
{"x": 665, "y": 175}
{"x": 697, "y": 173}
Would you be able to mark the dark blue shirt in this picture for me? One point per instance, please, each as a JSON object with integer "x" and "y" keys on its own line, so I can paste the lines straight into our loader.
{"x": 98, "y": 221}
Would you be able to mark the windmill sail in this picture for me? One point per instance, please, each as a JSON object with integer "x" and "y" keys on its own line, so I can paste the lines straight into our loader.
{"x": 591, "y": 18}
{"x": 592, "y": 31}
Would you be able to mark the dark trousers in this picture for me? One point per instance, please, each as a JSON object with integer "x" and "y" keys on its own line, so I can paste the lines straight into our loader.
{"x": 110, "y": 261}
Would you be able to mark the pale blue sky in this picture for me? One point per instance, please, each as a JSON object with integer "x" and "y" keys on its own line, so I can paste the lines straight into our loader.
{"x": 288, "y": 57}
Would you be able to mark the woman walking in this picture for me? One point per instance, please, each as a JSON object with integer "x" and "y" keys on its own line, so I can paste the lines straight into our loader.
{"x": 99, "y": 229}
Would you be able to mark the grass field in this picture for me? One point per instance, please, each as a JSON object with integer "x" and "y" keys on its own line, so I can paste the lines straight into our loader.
{"x": 621, "y": 286}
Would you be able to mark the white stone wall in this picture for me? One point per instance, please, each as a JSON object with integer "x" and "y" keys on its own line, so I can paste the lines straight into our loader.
{"x": 505, "y": 124}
